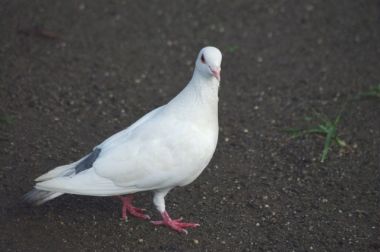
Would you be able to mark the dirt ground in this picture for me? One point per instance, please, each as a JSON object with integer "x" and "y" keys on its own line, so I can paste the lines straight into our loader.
{"x": 74, "y": 72}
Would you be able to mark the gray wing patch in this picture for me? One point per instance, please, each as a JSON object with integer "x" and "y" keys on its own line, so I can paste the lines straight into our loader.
{"x": 88, "y": 161}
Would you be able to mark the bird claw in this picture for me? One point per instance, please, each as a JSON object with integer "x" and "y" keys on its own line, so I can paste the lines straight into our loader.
{"x": 139, "y": 213}
{"x": 132, "y": 210}
{"x": 176, "y": 224}
{"x": 136, "y": 212}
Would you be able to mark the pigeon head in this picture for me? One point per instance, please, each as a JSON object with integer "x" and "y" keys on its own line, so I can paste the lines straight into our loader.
{"x": 208, "y": 62}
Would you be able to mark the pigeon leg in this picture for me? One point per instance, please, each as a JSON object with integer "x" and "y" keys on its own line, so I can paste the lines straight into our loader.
{"x": 128, "y": 207}
{"x": 177, "y": 224}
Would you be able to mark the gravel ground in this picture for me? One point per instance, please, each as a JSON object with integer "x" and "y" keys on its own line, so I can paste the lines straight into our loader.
{"x": 74, "y": 72}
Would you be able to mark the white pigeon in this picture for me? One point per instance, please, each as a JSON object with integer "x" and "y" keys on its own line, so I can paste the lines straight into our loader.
{"x": 168, "y": 147}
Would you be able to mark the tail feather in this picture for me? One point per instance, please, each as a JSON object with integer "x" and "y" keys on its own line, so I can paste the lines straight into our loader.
{"x": 38, "y": 197}
{"x": 60, "y": 171}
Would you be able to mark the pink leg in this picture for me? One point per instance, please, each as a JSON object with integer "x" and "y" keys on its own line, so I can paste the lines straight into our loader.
{"x": 177, "y": 224}
{"x": 128, "y": 207}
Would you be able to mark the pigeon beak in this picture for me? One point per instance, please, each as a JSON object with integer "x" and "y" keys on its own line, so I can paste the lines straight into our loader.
{"x": 215, "y": 72}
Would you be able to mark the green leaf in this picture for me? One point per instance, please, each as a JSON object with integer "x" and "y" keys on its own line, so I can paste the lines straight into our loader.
{"x": 232, "y": 48}
{"x": 326, "y": 146}
{"x": 340, "y": 142}
{"x": 373, "y": 92}
{"x": 6, "y": 119}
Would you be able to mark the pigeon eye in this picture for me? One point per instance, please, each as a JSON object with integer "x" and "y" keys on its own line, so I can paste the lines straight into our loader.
{"x": 203, "y": 59}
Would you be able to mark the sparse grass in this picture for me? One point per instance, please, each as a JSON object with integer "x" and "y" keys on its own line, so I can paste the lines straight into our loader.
{"x": 232, "y": 48}
{"x": 373, "y": 92}
{"x": 6, "y": 119}
{"x": 325, "y": 127}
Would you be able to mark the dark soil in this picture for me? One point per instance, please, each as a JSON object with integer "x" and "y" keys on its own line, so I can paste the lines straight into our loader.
{"x": 75, "y": 72}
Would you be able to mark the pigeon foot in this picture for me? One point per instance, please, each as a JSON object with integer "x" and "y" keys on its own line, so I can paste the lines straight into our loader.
{"x": 128, "y": 207}
{"x": 176, "y": 224}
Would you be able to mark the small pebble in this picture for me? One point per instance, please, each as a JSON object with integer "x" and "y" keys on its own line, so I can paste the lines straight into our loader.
{"x": 309, "y": 7}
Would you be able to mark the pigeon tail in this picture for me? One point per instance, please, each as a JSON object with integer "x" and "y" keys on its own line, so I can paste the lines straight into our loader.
{"x": 71, "y": 169}
{"x": 38, "y": 197}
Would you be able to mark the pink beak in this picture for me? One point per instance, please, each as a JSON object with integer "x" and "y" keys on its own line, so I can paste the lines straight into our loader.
{"x": 216, "y": 72}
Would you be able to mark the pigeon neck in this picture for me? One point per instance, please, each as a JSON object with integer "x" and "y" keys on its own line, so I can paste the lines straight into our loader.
{"x": 201, "y": 93}
{"x": 206, "y": 87}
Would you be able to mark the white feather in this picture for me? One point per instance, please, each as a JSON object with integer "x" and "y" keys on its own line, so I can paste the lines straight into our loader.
{"x": 59, "y": 171}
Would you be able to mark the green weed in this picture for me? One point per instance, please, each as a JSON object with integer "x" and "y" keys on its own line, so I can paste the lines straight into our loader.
{"x": 373, "y": 92}
{"x": 325, "y": 127}
{"x": 6, "y": 119}
{"x": 232, "y": 48}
